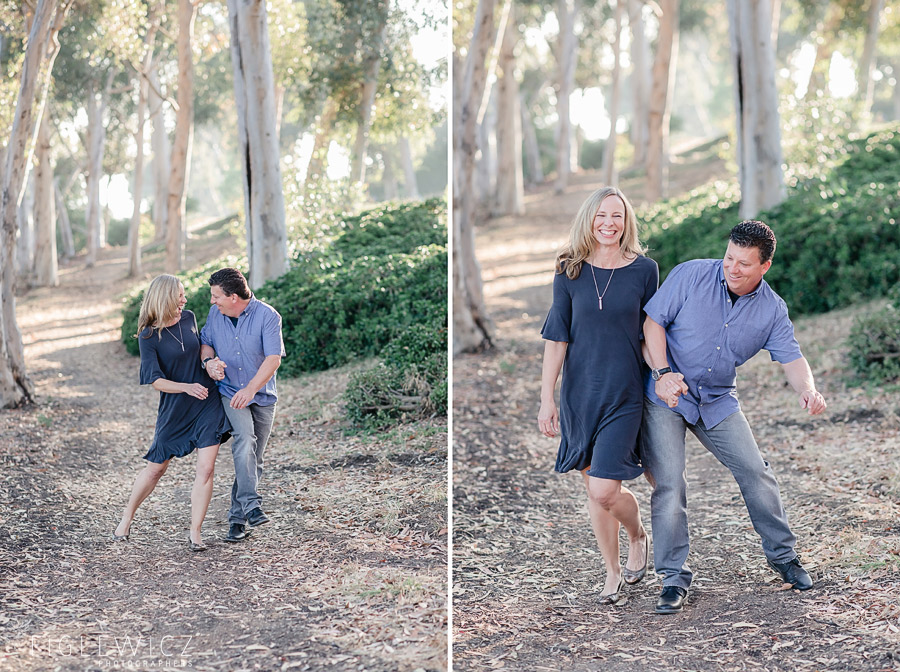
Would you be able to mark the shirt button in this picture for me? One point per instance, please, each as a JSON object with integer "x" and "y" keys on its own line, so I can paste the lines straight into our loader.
{"x": 700, "y": 388}
{"x": 709, "y": 369}
{"x": 718, "y": 348}
{"x": 726, "y": 324}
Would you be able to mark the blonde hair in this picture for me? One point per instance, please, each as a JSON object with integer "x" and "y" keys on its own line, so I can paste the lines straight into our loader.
{"x": 581, "y": 236}
{"x": 160, "y": 304}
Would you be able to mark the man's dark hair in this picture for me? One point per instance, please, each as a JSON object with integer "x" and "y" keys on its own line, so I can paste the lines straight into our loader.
{"x": 232, "y": 281}
{"x": 753, "y": 233}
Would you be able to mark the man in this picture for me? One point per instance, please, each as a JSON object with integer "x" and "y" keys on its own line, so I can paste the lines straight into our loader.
{"x": 241, "y": 348}
{"x": 709, "y": 317}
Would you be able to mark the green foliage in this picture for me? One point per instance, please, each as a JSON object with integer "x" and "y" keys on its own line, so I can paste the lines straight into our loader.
{"x": 874, "y": 344}
{"x": 838, "y": 235}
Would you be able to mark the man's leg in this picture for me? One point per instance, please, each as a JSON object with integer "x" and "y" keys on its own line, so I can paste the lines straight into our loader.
{"x": 263, "y": 418}
{"x": 243, "y": 450}
{"x": 662, "y": 453}
{"x": 732, "y": 442}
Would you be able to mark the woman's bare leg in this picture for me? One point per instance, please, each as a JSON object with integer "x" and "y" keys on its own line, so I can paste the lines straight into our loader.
{"x": 143, "y": 486}
{"x": 201, "y": 493}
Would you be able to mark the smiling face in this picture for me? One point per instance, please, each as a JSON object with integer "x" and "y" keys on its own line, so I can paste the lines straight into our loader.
{"x": 743, "y": 269}
{"x": 181, "y": 301}
{"x": 609, "y": 222}
{"x": 227, "y": 305}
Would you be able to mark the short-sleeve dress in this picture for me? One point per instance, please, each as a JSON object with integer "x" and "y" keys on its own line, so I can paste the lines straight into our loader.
{"x": 601, "y": 396}
{"x": 183, "y": 422}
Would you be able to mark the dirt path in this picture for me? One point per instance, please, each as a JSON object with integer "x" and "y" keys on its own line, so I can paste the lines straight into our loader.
{"x": 350, "y": 574}
{"x": 527, "y": 573}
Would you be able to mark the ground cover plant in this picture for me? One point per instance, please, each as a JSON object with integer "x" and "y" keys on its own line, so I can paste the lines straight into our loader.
{"x": 838, "y": 231}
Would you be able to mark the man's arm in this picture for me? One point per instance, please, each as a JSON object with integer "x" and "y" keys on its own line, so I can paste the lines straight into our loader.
{"x": 215, "y": 368}
{"x": 670, "y": 385}
{"x": 266, "y": 370}
{"x": 800, "y": 377}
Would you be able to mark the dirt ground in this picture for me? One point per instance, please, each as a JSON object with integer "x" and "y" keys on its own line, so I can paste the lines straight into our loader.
{"x": 350, "y": 574}
{"x": 527, "y": 574}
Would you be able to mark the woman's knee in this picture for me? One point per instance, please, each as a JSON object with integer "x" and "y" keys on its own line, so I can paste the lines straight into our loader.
{"x": 604, "y": 492}
{"x": 155, "y": 471}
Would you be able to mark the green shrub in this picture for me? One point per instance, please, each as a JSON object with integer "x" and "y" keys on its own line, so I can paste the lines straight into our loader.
{"x": 874, "y": 345}
{"x": 838, "y": 235}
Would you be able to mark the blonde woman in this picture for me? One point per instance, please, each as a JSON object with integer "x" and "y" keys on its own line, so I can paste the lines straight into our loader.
{"x": 601, "y": 285}
{"x": 190, "y": 414}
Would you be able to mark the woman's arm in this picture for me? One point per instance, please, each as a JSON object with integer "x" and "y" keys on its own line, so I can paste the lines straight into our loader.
{"x": 548, "y": 416}
{"x": 171, "y": 387}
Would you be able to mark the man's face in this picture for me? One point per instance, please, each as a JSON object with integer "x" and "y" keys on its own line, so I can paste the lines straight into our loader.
{"x": 743, "y": 269}
{"x": 227, "y": 305}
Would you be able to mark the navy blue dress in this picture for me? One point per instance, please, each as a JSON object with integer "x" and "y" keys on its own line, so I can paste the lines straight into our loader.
{"x": 601, "y": 397}
{"x": 183, "y": 422}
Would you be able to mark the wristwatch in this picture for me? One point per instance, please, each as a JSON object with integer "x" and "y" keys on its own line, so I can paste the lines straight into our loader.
{"x": 203, "y": 363}
{"x": 659, "y": 373}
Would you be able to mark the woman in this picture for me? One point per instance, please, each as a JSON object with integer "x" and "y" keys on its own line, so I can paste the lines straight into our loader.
{"x": 602, "y": 282}
{"x": 190, "y": 414}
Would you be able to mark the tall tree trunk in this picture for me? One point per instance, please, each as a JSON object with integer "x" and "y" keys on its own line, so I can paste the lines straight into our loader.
{"x": 65, "y": 226}
{"x": 25, "y": 241}
{"x": 367, "y": 96}
{"x": 567, "y": 49}
{"x": 318, "y": 160}
{"x": 510, "y": 191}
{"x": 472, "y": 327}
{"x": 867, "y": 61}
{"x": 159, "y": 141}
{"x": 410, "y": 184}
{"x": 254, "y": 92}
{"x": 532, "y": 149}
{"x": 45, "y": 258}
{"x": 96, "y": 141}
{"x": 181, "y": 146}
{"x": 776, "y": 24}
{"x": 610, "y": 175}
{"x": 486, "y": 166}
{"x": 134, "y": 228}
{"x": 664, "y": 67}
{"x": 40, "y": 53}
{"x": 389, "y": 178}
{"x": 825, "y": 43}
{"x": 756, "y": 105}
{"x": 640, "y": 77}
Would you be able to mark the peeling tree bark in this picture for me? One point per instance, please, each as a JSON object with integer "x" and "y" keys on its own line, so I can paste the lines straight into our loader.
{"x": 181, "y": 147}
{"x": 756, "y": 106}
{"x": 45, "y": 257}
{"x": 254, "y": 89}
{"x": 661, "y": 101}
{"x": 159, "y": 141}
{"x": 40, "y": 53}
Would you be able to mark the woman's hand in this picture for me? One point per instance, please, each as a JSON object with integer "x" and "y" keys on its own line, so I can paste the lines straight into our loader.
{"x": 196, "y": 390}
{"x": 548, "y": 419}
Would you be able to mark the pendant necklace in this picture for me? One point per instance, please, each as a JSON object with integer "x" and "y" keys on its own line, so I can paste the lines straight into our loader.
{"x": 599, "y": 295}
{"x": 180, "y": 340}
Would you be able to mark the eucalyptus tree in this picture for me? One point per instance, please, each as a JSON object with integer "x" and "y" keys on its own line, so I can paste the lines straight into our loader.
{"x": 41, "y": 49}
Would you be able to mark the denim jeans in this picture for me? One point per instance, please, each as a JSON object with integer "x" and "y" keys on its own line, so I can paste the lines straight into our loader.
{"x": 251, "y": 427}
{"x": 732, "y": 443}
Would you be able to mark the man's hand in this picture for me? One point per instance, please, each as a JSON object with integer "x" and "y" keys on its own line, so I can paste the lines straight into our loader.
{"x": 216, "y": 368}
{"x": 242, "y": 398}
{"x": 548, "y": 419}
{"x": 669, "y": 387}
{"x": 813, "y": 402}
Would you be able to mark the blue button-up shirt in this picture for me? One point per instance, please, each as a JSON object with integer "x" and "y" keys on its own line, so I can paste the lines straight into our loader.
{"x": 707, "y": 337}
{"x": 244, "y": 347}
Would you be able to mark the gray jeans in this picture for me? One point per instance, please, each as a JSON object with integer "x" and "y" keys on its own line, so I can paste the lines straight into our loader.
{"x": 250, "y": 431}
{"x": 732, "y": 443}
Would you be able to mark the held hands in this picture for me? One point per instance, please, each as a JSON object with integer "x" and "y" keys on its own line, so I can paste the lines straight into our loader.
{"x": 215, "y": 368}
{"x": 548, "y": 419}
{"x": 813, "y": 402}
{"x": 196, "y": 390}
{"x": 669, "y": 387}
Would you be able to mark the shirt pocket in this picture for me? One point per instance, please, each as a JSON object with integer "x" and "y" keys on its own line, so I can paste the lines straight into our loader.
{"x": 745, "y": 340}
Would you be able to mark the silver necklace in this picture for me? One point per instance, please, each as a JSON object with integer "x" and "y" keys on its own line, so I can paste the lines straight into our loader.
{"x": 599, "y": 295}
{"x": 180, "y": 340}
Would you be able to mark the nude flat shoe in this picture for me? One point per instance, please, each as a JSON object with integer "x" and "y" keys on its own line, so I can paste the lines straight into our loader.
{"x": 633, "y": 576}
